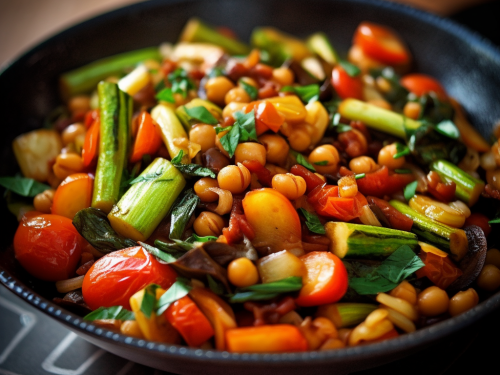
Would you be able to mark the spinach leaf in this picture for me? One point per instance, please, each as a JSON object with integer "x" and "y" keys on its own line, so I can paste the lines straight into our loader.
{"x": 267, "y": 291}
{"x": 178, "y": 290}
{"x": 312, "y": 222}
{"x": 162, "y": 255}
{"x": 27, "y": 187}
{"x": 202, "y": 114}
{"x": 181, "y": 213}
{"x": 192, "y": 170}
{"x": 250, "y": 90}
{"x": 114, "y": 312}
{"x": 308, "y": 93}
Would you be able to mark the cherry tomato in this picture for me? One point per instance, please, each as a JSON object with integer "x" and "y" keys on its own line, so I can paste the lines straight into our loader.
{"x": 189, "y": 321}
{"x": 326, "y": 201}
{"x": 148, "y": 139}
{"x": 421, "y": 84}
{"x": 480, "y": 220}
{"x": 114, "y": 278}
{"x": 325, "y": 281}
{"x": 381, "y": 43}
{"x": 380, "y": 182}
{"x": 345, "y": 85}
{"x": 48, "y": 246}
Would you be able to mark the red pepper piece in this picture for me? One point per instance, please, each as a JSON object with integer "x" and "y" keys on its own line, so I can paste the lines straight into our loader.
{"x": 312, "y": 180}
{"x": 263, "y": 174}
{"x": 395, "y": 218}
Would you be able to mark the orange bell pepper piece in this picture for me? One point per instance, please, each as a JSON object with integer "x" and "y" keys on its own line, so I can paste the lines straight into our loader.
{"x": 91, "y": 143}
{"x": 266, "y": 339}
{"x": 73, "y": 194}
{"x": 148, "y": 139}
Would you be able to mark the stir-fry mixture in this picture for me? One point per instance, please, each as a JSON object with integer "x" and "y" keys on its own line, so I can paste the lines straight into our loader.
{"x": 271, "y": 197}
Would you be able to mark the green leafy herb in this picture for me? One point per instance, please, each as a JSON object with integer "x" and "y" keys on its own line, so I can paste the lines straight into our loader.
{"x": 191, "y": 169}
{"x": 403, "y": 171}
{"x": 178, "y": 290}
{"x": 448, "y": 128}
{"x": 360, "y": 175}
{"x": 202, "y": 114}
{"x": 397, "y": 94}
{"x": 302, "y": 160}
{"x": 312, "y": 222}
{"x": 308, "y": 93}
{"x": 397, "y": 267}
{"x": 402, "y": 150}
{"x": 181, "y": 83}
{"x": 214, "y": 286}
{"x": 230, "y": 141}
{"x": 242, "y": 130}
{"x": 169, "y": 258}
{"x": 322, "y": 162}
{"x": 219, "y": 129}
{"x": 251, "y": 90}
{"x": 267, "y": 291}
{"x": 166, "y": 95}
{"x": 113, "y": 312}
{"x": 494, "y": 221}
{"x": 215, "y": 72}
{"x": 149, "y": 300}
{"x": 351, "y": 69}
{"x": 181, "y": 213}
{"x": 27, "y": 187}
{"x": 204, "y": 239}
{"x": 410, "y": 189}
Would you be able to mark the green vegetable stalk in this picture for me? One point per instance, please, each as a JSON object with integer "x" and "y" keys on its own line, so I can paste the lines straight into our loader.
{"x": 146, "y": 203}
{"x": 442, "y": 236}
{"x": 346, "y": 314}
{"x": 115, "y": 116}
{"x": 319, "y": 44}
{"x": 468, "y": 190}
{"x": 196, "y": 31}
{"x": 85, "y": 79}
{"x": 279, "y": 45}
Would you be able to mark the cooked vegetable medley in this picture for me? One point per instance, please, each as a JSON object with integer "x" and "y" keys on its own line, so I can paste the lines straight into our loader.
{"x": 266, "y": 198}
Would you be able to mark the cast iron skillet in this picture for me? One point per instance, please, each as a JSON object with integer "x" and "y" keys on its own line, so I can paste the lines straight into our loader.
{"x": 467, "y": 66}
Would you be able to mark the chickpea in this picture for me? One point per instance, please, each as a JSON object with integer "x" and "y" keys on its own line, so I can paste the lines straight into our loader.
{"x": 250, "y": 151}
{"x": 67, "y": 164}
{"x": 80, "y": 103}
{"x": 276, "y": 148}
{"x": 208, "y": 224}
{"x": 131, "y": 328}
{"x": 283, "y": 76}
{"x": 493, "y": 257}
{"x": 363, "y": 164}
{"x": 237, "y": 94}
{"x": 299, "y": 139}
{"x": 217, "y": 88}
{"x": 289, "y": 185}
{"x": 463, "y": 301}
{"x": 71, "y": 132}
{"x": 433, "y": 301}
{"x": 231, "y": 108}
{"x": 324, "y": 153}
{"x": 348, "y": 188}
{"x": 204, "y": 135}
{"x": 201, "y": 189}
{"x": 330, "y": 344}
{"x": 493, "y": 178}
{"x": 234, "y": 178}
{"x": 242, "y": 272}
{"x": 43, "y": 201}
{"x": 381, "y": 103}
{"x": 219, "y": 145}
{"x": 489, "y": 278}
{"x": 405, "y": 291}
{"x": 412, "y": 110}
{"x": 386, "y": 157}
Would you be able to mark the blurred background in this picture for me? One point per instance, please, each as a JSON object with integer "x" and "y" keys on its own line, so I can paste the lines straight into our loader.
{"x": 24, "y": 23}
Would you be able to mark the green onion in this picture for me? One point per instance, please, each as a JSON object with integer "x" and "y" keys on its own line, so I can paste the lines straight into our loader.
{"x": 361, "y": 175}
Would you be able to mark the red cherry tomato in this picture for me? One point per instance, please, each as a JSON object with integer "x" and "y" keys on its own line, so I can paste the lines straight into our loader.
{"x": 48, "y": 246}
{"x": 381, "y": 43}
{"x": 326, "y": 201}
{"x": 114, "y": 278}
{"x": 325, "y": 281}
{"x": 345, "y": 85}
{"x": 421, "y": 84}
{"x": 148, "y": 139}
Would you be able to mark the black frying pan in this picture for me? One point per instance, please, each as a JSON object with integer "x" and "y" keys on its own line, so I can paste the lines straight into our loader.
{"x": 468, "y": 67}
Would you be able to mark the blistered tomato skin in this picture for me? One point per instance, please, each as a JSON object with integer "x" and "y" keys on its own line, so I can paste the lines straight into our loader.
{"x": 114, "y": 278}
{"x": 48, "y": 246}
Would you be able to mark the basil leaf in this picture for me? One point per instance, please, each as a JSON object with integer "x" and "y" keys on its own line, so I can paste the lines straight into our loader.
{"x": 302, "y": 160}
{"x": 373, "y": 285}
{"x": 165, "y": 95}
{"x": 181, "y": 83}
{"x": 27, "y": 187}
{"x": 178, "y": 158}
{"x": 215, "y": 72}
{"x": 410, "y": 190}
{"x": 204, "y": 239}
{"x": 202, "y": 114}
{"x": 177, "y": 291}
{"x": 312, "y": 222}
{"x": 242, "y": 297}
{"x": 400, "y": 264}
{"x": 361, "y": 175}
{"x": 193, "y": 170}
{"x": 230, "y": 141}
{"x": 158, "y": 253}
{"x": 403, "y": 171}
{"x": 113, "y": 312}
{"x": 322, "y": 162}
{"x": 214, "y": 286}
{"x": 307, "y": 94}
{"x": 181, "y": 213}
{"x": 252, "y": 91}
{"x": 246, "y": 122}
{"x": 218, "y": 129}
{"x": 402, "y": 150}
{"x": 351, "y": 69}
{"x": 267, "y": 291}
{"x": 494, "y": 221}
{"x": 341, "y": 128}
{"x": 448, "y": 128}
{"x": 149, "y": 300}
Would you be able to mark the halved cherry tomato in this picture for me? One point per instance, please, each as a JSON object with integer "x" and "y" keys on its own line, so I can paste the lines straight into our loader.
{"x": 48, "y": 246}
{"x": 380, "y": 182}
{"x": 438, "y": 269}
{"x": 189, "y": 321}
{"x": 480, "y": 220}
{"x": 117, "y": 276}
{"x": 91, "y": 143}
{"x": 421, "y": 84}
{"x": 266, "y": 339}
{"x": 73, "y": 194}
{"x": 325, "y": 281}
{"x": 345, "y": 85}
{"x": 326, "y": 201}
{"x": 148, "y": 139}
{"x": 381, "y": 43}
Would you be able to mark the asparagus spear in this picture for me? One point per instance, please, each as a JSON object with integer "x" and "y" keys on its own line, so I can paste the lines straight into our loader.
{"x": 319, "y": 44}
